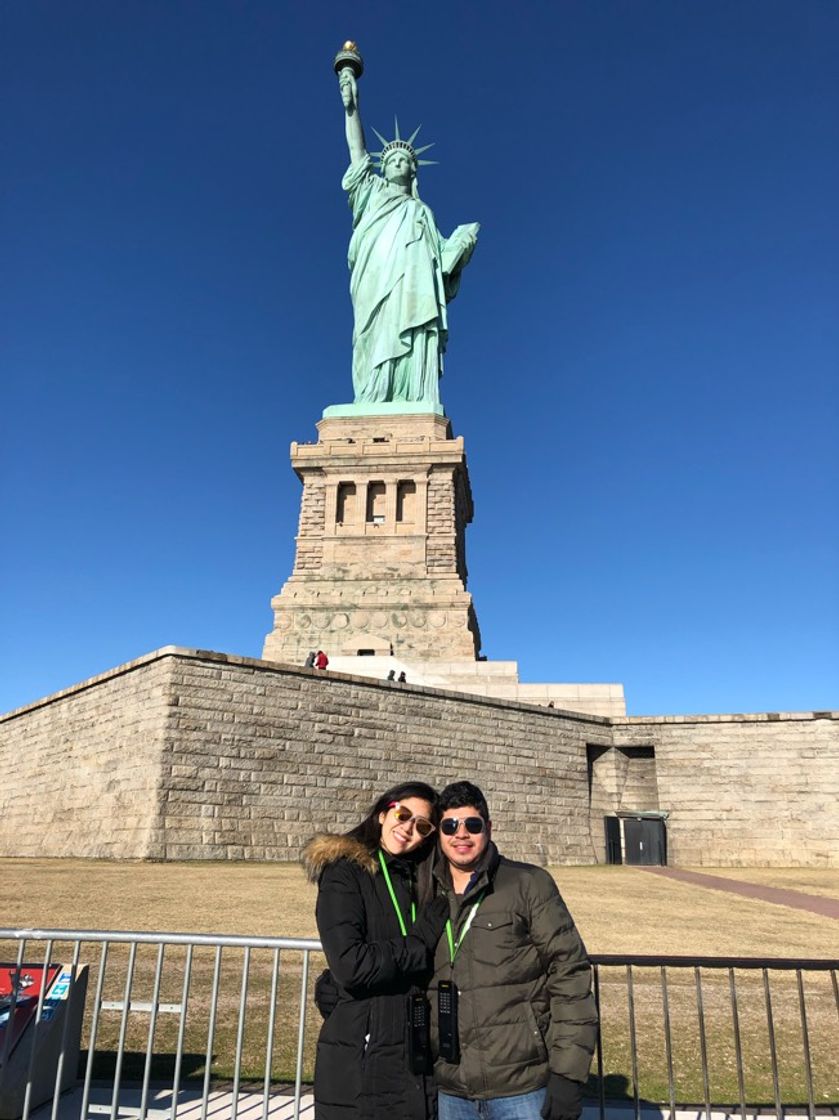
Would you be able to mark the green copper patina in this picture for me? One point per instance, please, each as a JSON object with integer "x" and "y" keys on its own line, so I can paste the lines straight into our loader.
{"x": 403, "y": 271}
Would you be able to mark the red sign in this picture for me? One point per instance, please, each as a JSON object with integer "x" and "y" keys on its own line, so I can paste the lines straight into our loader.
{"x": 30, "y": 979}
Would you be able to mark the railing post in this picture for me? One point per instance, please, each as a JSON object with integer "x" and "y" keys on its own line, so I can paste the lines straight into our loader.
{"x": 703, "y": 1046}
{"x": 301, "y": 1034}
{"x": 65, "y": 1031}
{"x": 27, "y": 1098}
{"x": 805, "y": 1038}
{"x": 179, "y": 1053}
{"x": 155, "y": 999}
{"x": 601, "y": 1088}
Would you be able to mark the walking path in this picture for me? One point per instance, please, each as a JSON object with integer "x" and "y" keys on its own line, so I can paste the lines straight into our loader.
{"x": 816, "y": 904}
{"x": 220, "y": 1105}
{"x": 278, "y": 1106}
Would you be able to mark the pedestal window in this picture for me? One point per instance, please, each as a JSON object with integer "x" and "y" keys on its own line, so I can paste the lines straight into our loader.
{"x": 345, "y": 506}
{"x": 406, "y": 501}
{"x": 376, "y": 495}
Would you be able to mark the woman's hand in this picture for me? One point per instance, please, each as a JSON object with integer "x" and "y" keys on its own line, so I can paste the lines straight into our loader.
{"x": 326, "y": 993}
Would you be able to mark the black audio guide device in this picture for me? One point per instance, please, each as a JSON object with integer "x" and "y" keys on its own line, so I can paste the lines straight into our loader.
{"x": 419, "y": 1034}
{"x": 447, "y": 1021}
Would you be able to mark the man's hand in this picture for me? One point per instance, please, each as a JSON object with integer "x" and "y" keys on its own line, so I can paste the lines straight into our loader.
{"x": 431, "y": 922}
{"x": 563, "y": 1099}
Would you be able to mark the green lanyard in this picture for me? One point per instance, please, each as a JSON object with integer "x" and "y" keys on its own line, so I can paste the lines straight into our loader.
{"x": 392, "y": 894}
{"x": 464, "y": 929}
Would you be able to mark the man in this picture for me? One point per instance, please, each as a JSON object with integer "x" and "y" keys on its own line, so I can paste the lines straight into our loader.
{"x": 518, "y": 1043}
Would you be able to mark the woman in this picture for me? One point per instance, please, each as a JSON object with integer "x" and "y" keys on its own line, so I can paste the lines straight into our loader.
{"x": 379, "y": 928}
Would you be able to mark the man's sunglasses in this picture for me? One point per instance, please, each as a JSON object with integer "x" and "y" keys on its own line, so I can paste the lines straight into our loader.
{"x": 450, "y": 825}
{"x": 404, "y": 815}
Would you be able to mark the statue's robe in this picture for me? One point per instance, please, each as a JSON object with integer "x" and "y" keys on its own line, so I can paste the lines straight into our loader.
{"x": 402, "y": 273}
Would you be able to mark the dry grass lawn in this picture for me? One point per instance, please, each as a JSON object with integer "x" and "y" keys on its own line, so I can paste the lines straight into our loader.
{"x": 618, "y": 910}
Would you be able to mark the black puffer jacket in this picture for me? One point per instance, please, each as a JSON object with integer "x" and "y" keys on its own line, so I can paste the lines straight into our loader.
{"x": 361, "y": 1069}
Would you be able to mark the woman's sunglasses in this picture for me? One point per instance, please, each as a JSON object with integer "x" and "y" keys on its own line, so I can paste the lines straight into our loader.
{"x": 450, "y": 825}
{"x": 403, "y": 814}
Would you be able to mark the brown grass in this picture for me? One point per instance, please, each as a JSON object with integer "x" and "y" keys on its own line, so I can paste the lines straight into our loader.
{"x": 618, "y": 910}
{"x": 627, "y": 910}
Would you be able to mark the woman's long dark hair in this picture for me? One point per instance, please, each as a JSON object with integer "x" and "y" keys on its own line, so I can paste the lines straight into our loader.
{"x": 369, "y": 831}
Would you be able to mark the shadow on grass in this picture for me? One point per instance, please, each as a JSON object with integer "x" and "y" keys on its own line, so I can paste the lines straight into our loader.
{"x": 134, "y": 1066}
{"x": 162, "y": 1071}
{"x": 617, "y": 1089}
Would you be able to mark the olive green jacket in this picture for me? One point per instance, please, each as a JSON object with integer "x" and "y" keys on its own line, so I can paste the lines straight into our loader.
{"x": 525, "y": 1007}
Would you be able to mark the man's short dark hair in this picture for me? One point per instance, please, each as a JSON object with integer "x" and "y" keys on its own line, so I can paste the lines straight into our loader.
{"x": 460, "y": 795}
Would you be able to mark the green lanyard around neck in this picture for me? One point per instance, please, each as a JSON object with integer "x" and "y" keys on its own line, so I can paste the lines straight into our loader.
{"x": 392, "y": 894}
{"x": 464, "y": 929}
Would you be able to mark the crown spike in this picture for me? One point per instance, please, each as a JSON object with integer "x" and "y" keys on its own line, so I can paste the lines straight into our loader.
{"x": 427, "y": 162}
{"x": 414, "y": 134}
{"x": 379, "y": 135}
{"x": 396, "y": 135}
{"x": 424, "y": 148}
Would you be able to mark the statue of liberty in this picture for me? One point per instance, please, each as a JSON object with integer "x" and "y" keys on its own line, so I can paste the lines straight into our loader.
{"x": 403, "y": 271}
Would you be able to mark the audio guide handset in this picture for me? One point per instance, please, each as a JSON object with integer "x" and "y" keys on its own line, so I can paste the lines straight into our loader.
{"x": 447, "y": 1021}
{"x": 419, "y": 1040}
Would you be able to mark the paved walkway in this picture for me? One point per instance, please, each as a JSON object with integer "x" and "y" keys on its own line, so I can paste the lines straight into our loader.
{"x": 816, "y": 904}
{"x": 249, "y": 1106}
{"x": 281, "y": 1107}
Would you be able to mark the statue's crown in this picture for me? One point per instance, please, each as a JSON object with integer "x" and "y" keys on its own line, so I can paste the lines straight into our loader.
{"x": 398, "y": 144}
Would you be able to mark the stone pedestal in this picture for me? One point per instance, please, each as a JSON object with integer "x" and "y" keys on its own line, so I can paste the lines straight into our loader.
{"x": 380, "y": 565}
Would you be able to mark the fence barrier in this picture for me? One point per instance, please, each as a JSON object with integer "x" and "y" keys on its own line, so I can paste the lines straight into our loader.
{"x": 203, "y": 1012}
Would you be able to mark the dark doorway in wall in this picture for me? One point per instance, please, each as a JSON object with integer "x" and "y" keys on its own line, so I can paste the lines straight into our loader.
{"x": 613, "y": 840}
{"x": 645, "y": 841}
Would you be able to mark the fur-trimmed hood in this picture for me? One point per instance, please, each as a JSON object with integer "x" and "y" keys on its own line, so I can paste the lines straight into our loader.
{"x": 329, "y": 847}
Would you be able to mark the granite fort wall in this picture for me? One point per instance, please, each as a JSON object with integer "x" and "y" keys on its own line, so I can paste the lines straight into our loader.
{"x": 260, "y": 756}
{"x": 185, "y": 754}
{"x": 81, "y": 768}
{"x": 745, "y": 790}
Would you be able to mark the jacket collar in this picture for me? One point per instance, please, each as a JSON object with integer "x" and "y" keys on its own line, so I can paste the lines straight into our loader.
{"x": 327, "y": 848}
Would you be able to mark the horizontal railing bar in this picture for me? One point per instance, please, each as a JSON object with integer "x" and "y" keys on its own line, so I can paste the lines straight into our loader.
{"x": 811, "y": 964}
{"x": 138, "y": 1005}
{"x": 314, "y": 945}
{"x": 154, "y": 938}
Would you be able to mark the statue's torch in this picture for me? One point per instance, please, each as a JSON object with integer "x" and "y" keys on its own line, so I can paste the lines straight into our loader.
{"x": 349, "y": 58}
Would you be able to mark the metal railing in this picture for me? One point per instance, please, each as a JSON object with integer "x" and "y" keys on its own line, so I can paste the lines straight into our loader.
{"x": 736, "y": 1021}
{"x": 200, "y": 1013}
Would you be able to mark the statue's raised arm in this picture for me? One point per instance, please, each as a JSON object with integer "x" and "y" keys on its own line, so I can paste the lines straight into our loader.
{"x": 349, "y": 67}
{"x": 403, "y": 271}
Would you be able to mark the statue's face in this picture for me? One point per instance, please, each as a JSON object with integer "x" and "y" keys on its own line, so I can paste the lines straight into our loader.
{"x": 399, "y": 168}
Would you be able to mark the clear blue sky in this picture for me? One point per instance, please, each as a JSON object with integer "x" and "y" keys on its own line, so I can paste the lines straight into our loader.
{"x": 644, "y": 351}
